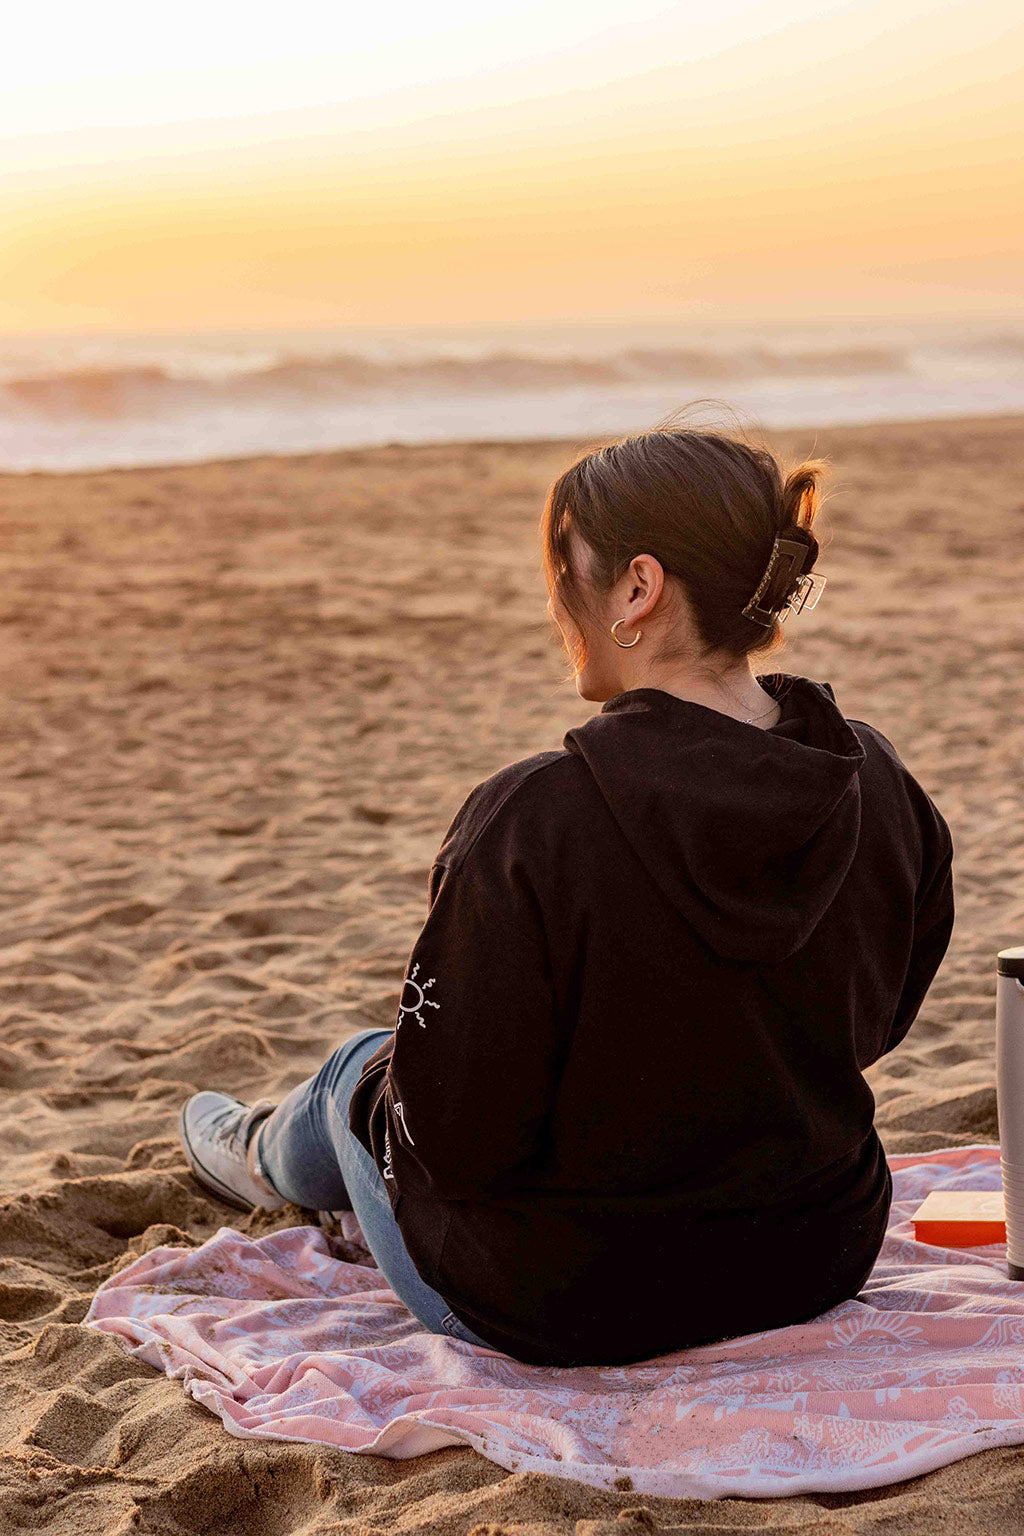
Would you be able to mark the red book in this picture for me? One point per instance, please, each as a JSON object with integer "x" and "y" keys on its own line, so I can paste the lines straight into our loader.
{"x": 961, "y": 1218}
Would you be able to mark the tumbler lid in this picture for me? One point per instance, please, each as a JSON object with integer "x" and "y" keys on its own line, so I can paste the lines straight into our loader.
{"x": 1010, "y": 962}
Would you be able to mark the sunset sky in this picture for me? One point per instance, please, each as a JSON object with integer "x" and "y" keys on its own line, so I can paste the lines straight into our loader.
{"x": 221, "y": 165}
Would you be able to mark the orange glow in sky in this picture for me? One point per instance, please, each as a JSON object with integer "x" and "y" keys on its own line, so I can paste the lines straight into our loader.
{"x": 515, "y": 162}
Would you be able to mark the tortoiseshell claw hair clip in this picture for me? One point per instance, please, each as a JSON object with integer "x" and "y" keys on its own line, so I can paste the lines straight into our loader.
{"x": 790, "y": 556}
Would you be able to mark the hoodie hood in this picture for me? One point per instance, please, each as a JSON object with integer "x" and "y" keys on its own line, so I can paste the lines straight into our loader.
{"x": 749, "y": 833}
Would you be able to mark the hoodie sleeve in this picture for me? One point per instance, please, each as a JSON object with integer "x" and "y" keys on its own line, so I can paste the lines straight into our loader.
{"x": 461, "y": 1093}
{"x": 933, "y": 926}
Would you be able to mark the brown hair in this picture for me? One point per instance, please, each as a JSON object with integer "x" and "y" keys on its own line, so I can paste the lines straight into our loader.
{"x": 708, "y": 507}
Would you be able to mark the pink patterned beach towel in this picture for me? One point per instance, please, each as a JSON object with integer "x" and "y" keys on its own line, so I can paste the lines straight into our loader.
{"x": 285, "y": 1341}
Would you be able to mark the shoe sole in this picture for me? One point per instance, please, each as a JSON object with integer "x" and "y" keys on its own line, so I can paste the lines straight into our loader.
{"x": 202, "y": 1175}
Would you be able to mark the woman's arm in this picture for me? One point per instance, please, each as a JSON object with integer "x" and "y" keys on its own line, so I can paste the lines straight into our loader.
{"x": 933, "y": 927}
{"x": 472, "y": 1071}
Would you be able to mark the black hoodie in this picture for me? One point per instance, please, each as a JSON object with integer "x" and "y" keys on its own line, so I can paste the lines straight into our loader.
{"x": 623, "y": 1111}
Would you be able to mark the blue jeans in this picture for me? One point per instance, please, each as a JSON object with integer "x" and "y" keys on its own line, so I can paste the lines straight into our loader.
{"x": 312, "y": 1158}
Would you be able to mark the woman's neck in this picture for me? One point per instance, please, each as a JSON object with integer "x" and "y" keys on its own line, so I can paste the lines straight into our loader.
{"x": 735, "y": 692}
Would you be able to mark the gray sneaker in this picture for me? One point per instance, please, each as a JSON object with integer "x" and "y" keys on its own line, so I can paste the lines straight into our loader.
{"x": 215, "y": 1132}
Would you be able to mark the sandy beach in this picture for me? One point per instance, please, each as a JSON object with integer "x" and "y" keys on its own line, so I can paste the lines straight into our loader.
{"x": 243, "y": 700}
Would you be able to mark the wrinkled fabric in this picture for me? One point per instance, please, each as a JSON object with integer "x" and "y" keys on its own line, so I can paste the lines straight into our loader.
{"x": 636, "y": 1019}
{"x": 284, "y": 1340}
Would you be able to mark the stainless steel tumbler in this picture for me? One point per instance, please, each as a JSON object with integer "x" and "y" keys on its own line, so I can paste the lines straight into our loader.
{"x": 1010, "y": 1099}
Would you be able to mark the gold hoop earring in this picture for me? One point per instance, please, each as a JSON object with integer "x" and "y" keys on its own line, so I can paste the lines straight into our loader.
{"x": 627, "y": 645}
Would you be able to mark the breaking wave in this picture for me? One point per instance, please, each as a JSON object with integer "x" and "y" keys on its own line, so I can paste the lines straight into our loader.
{"x": 113, "y": 392}
{"x": 94, "y": 401}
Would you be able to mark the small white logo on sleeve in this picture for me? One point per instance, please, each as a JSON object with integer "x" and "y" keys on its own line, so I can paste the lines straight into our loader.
{"x": 414, "y": 998}
{"x": 400, "y": 1117}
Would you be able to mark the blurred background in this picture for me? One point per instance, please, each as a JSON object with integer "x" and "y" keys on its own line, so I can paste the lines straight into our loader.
{"x": 231, "y": 228}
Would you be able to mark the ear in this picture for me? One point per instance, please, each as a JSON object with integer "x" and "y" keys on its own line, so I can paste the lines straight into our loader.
{"x": 643, "y": 585}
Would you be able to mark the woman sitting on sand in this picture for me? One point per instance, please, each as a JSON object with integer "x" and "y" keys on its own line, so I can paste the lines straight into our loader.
{"x": 622, "y": 1110}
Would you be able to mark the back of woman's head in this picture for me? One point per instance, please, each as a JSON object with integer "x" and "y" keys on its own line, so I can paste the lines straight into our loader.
{"x": 707, "y": 506}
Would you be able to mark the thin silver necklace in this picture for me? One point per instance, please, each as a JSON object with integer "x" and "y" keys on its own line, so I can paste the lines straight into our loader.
{"x": 751, "y": 718}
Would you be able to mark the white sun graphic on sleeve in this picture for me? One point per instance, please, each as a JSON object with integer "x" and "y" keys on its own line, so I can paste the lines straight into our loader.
{"x": 414, "y": 998}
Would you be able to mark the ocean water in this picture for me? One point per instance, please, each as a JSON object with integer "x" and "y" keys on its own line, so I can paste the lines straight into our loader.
{"x": 92, "y": 402}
